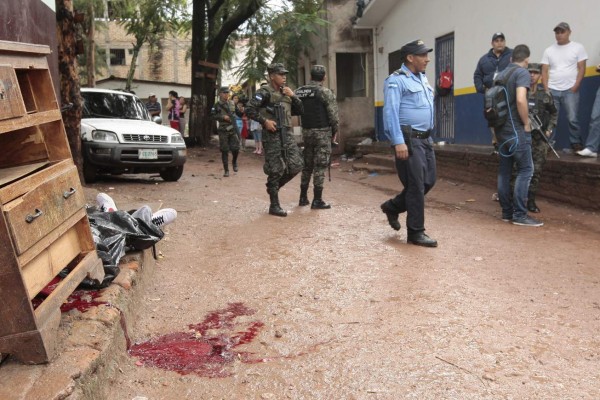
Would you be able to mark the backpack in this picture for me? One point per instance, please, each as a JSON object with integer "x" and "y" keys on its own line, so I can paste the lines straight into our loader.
{"x": 497, "y": 101}
{"x": 445, "y": 82}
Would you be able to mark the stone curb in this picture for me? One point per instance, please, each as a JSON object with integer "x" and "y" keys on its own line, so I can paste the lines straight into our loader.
{"x": 88, "y": 342}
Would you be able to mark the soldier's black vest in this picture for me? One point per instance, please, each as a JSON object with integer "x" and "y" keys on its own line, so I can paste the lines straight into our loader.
{"x": 315, "y": 111}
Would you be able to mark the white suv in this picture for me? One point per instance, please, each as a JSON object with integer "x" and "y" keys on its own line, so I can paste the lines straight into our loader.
{"x": 119, "y": 137}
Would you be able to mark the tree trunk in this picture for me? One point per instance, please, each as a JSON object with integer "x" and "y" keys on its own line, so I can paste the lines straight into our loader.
{"x": 91, "y": 56}
{"x": 204, "y": 59}
{"x": 69, "y": 79}
{"x": 198, "y": 134}
{"x": 136, "y": 51}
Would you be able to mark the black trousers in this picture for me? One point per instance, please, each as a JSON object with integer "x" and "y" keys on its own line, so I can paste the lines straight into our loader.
{"x": 418, "y": 175}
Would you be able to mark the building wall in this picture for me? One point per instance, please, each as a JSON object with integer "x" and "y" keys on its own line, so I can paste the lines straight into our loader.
{"x": 356, "y": 113}
{"x": 165, "y": 63}
{"x": 473, "y": 23}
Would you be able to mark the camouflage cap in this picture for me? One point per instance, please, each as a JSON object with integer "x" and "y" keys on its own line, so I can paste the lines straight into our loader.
{"x": 224, "y": 89}
{"x": 534, "y": 67}
{"x": 277, "y": 68}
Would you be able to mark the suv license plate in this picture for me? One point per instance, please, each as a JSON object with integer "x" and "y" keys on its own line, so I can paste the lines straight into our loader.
{"x": 147, "y": 154}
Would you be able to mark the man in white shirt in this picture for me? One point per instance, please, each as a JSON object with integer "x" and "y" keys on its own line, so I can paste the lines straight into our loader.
{"x": 563, "y": 68}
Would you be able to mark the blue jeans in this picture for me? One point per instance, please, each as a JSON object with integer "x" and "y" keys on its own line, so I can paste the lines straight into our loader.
{"x": 593, "y": 139}
{"x": 517, "y": 207}
{"x": 571, "y": 102}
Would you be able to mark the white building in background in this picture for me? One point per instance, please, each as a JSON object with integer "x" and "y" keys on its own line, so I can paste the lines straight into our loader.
{"x": 461, "y": 32}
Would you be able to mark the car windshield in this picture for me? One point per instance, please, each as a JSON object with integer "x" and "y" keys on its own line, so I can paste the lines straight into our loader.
{"x": 113, "y": 105}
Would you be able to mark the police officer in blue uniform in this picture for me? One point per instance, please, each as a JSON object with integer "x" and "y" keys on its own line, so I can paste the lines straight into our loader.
{"x": 408, "y": 120}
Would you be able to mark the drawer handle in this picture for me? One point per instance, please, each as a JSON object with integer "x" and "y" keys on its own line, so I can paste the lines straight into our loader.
{"x": 30, "y": 218}
{"x": 69, "y": 193}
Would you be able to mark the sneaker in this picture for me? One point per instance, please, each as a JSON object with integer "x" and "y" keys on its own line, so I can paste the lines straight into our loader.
{"x": 587, "y": 153}
{"x": 105, "y": 203}
{"x": 164, "y": 217}
{"x": 527, "y": 221}
{"x": 506, "y": 218}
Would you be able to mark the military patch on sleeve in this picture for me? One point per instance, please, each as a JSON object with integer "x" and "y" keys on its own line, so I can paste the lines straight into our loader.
{"x": 258, "y": 97}
{"x": 392, "y": 85}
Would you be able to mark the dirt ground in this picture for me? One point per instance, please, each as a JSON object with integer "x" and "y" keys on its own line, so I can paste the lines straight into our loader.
{"x": 333, "y": 304}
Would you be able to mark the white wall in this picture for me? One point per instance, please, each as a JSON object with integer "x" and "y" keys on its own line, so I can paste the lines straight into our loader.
{"x": 474, "y": 22}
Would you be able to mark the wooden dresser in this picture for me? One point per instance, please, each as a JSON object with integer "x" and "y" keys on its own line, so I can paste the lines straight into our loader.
{"x": 43, "y": 224}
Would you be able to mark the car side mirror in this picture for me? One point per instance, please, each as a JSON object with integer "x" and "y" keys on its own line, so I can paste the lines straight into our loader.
{"x": 157, "y": 119}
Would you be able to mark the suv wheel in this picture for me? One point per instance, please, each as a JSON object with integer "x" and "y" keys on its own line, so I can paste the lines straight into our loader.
{"x": 172, "y": 174}
{"x": 89, "y": 173}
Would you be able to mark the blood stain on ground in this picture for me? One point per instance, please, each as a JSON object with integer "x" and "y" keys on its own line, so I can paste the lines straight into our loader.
{"x": 207, "y": 349}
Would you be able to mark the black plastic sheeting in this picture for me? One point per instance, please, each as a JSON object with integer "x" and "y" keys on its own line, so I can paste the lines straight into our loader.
{"x": 116, "y": 233}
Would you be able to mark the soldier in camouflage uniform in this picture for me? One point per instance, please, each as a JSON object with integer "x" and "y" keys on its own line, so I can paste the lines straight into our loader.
{"x": 319, "y": 125}
{"x": 229, "y": 139}
{"x": 542, "y": 105}
{"x": 279, "y": 169}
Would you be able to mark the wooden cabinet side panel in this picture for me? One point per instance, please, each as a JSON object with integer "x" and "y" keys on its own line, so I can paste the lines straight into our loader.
{"x": 16, "y": 313}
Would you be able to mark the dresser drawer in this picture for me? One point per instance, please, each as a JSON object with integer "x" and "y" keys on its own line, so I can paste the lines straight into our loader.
{"x": 35, "y": 214}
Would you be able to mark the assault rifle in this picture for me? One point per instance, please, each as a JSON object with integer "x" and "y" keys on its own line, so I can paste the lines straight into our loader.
{"x": 232, "y": 119}
{"x": 279, "y": 113}
{"x": 536, "y": 125}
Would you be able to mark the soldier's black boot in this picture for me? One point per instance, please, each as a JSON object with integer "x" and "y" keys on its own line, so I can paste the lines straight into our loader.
{"x": 275, "y": 208}
{"x": 234, "y": 161}
{"x": 224, "y": 157}
{"x": 303, "y": 196}
{"x": 531, "y": 206}
{"x": 318, "y": 203}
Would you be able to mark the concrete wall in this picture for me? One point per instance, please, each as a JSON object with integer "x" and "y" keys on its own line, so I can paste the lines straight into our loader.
{"x": 167, "y": 63}
{"x": 356, "y": 113}
{"x": 473, "y": 23}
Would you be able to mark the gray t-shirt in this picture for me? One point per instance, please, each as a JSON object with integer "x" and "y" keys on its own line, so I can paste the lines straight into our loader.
{"x": 519, "y": 78}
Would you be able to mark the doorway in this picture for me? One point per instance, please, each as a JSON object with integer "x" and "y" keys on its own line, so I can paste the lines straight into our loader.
{"x": 444, "y": 104}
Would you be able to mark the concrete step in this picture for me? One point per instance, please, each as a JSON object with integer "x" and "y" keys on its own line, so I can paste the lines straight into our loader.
{"x": 384, "y": 160}
{"x": 375, "y": 163}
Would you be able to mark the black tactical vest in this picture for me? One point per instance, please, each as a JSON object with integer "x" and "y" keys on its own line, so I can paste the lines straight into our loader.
{"x": 315, "y": 111}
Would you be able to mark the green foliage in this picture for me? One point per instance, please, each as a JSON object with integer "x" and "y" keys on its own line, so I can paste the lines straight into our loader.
{"x": 280, "y": 36}
{"x": 92, "y": 10}
{"x": 292, "y": 31}
{"x": 150, "y": 20}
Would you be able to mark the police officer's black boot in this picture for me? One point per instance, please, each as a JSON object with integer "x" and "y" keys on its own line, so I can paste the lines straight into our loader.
{"x": 531, "y": 206}
{"x": 275, "y": 208}
{"x": 303, "y": 196}
{"x": 318, "y": 203}
{"x": 234, "y": 161}
{"x": 224, "y": 157}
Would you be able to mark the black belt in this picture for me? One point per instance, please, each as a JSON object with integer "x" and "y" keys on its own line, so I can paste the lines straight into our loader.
{"x": 421, "y": 134}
